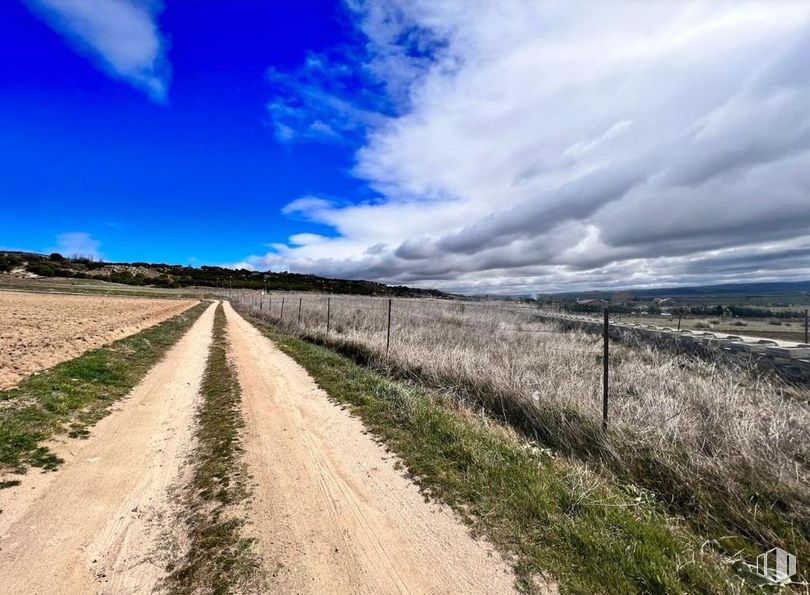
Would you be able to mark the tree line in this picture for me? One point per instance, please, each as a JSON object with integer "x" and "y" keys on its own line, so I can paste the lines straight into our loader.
{"x": 177, "y": 276}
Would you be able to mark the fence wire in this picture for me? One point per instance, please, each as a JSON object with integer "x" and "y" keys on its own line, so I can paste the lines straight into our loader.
{"x": 327, "y": 311}
{"x": 341, "y": 306}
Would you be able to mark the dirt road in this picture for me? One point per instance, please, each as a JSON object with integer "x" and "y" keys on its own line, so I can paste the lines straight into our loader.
{"x": 331, "y": 512}
{"x": 95, "y": 525}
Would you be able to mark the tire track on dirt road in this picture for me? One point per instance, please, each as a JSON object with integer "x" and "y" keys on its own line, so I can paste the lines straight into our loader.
{"x": 95, "y": 525}
{"x": 331, "y": 511}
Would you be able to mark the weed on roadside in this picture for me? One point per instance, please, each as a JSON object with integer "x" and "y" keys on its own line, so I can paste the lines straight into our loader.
{"x": 218, "y": 558}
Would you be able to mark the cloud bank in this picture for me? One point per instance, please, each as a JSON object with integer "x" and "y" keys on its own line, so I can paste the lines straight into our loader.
{"x": 121, "y": 36}
{"x": 541, "y": 146}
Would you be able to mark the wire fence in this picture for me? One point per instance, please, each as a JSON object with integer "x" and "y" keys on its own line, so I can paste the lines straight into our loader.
{"x": 389, "y": 325}
{"x": 287, "y": 309}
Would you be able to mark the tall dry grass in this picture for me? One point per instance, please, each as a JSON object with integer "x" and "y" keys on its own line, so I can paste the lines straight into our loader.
{"x": 725, "y": 447}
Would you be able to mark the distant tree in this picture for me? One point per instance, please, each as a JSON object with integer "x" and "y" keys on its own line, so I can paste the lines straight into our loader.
{"x": 56, "y": 257}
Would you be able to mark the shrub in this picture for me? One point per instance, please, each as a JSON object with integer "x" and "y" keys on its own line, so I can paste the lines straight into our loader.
{"x": 9, "y": 261}
{"x": 42, "y": 268}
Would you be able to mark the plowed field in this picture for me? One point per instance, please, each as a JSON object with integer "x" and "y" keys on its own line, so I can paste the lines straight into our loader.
{"x": 38, "y": 331}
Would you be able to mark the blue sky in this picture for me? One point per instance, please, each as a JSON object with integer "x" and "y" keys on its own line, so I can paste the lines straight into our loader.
{"x": 197, "y": 177}
{"x": 508, "y": 147}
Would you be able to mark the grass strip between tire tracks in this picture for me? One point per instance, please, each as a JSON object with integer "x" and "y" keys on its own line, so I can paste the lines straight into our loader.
{"x": 549, "y": 515}
{"x": 218, "y": 559}
{"x": 72, "y": 396}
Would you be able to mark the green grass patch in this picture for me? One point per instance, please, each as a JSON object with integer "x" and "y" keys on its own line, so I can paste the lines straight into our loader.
{"x": 218, "y": 559}
{"x": 551, "y": 515}
{"x": 72, "y": 396}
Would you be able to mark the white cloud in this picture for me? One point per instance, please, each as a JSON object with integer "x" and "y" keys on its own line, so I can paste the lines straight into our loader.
{"x": 78, "y": 243}
{"x": 308, "y": 206}
{"x": 308, "y": 105}
{"x": 549, "y": 145}
{"x": 306, "y": 239}
{"x": 121, "y": 35}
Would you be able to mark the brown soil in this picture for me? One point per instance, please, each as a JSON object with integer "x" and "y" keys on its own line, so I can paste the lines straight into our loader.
{"x": 332, "y": 512}
{"x": 97, "y": 524}
{"x": 38, "y": 331}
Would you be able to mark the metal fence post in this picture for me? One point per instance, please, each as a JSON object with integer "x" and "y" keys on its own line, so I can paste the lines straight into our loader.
{"x": 679, "y": 320}
{"x": 388, "y": 338}
{"x": 300, "y": 301}
{"x": 605, "y": 356}
{"x": 328, "y": 312}
{"x": 281, "y": 316}
{"x": 805, "y": 326}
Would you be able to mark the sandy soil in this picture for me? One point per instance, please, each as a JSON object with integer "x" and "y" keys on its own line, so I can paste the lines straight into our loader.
{"x": 331, "y": 512}
{"x": 95, "y": 526}
{"x": 38, "y": 331}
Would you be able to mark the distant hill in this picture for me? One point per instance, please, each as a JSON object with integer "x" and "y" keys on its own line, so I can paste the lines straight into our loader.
{"x": 727, "y": 289}
{"x": 753, "y": 289}
{"x": 695, "y": 292}
{"x": 169, "y": 275}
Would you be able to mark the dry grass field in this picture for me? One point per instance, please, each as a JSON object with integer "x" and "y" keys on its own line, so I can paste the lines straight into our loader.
{"x": 38, "y": 330}
{"x": 722, "y": 444}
